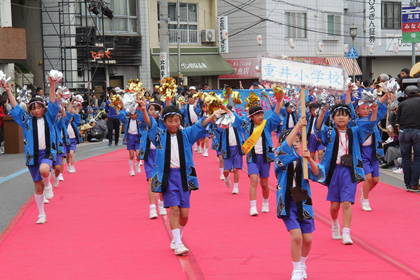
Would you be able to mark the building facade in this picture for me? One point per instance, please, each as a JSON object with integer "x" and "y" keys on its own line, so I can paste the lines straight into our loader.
{"x": 379, "y": 36}
{"x": 200, "y": 61}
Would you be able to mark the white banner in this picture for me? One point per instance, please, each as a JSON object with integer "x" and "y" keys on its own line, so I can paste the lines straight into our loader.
{"x": 223, "y": 35}
{"x": 164, "y": 65}
{"x": 298, "y": 73}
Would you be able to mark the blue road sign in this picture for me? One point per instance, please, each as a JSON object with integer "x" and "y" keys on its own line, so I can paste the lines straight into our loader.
{"x": 352, "y": 54}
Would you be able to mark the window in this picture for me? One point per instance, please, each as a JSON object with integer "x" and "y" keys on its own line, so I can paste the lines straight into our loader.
{"x": 391, "y": 15}
{"x": 334, "y": 25}
{"x": 188, "y": 23}
{"x": 296, "y": 25}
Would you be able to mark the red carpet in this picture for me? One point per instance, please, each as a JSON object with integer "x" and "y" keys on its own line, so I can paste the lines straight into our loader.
{"x": 98, "y": 229}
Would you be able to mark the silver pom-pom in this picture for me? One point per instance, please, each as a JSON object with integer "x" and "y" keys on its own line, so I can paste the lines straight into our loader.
{"x": 391, "y": 86}
{"x": 369, "y": 96}
{"x": 3, "y": 77}
{"x": 129, "y": 101}
{"x": 225, "y": 120}
{"x": 55, "y": 75}
{"x": 24, "y": 95}
{"x": 325, "y": 99}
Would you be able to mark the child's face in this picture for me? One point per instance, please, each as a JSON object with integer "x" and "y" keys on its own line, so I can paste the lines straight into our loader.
{"x": 191, "y": 100}
{"x": 257, "y": 119}
{"x": 297, "y": 144}
{"x": 173, "y": 124}
{"x": 152, "y": 111}
{"x": 341, "y": 120}
{"x": 289, "y": 109}
{"x": 37, "y": 111}
{"x": 313, "y": 112}
{"x": 363, "y": 110}
{"x": 133, "y": 116}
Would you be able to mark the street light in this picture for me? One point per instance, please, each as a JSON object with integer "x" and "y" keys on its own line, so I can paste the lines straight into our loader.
{"x": 353, "y": 34}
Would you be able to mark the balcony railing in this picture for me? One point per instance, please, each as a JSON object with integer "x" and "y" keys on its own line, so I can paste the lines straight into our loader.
{"x": 187, "y": 36}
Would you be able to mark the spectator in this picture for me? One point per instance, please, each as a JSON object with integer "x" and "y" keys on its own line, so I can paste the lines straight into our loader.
{"x": 392, "y": 149}
{"x": 404, "y": 73}
{"x": 408, "y": 120}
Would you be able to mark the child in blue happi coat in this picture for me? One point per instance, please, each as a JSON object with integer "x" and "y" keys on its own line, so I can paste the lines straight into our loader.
{"x": 40, "y": 140}
{"x": 371, "y": 148}
{"x": 62, "y": 141}
{"x": 215, "y": 134}
{"x": 72, "y": 122}
{"x": 174, "y": 175}
{"x": 294, "y": 199}
{"x": 259, "y": 151}
{"x": 343, "y": 163}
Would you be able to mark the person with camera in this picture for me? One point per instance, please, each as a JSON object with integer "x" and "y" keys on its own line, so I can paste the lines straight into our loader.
{"x": 408, "y": 121}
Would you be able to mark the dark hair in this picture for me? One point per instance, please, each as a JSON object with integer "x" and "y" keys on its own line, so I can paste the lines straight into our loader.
{"x": 37, "y": 99}
{"x": 255, "y": 109}
{"x": 171, "y": 111}
{"x": 340, "y": 109}
{"x": 313, "y": 106}
{"x": 38, "y": 89}
{"x": 406, "y": 70}
{"x": 283, "y": 135}
{"x": 156, "y": 105}
{"x": 104, "y": 116}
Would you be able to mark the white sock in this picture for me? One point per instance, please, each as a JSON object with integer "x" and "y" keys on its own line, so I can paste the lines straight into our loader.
{"x": 236, "y": 185}
{"x": 253, "y": 203}
{"x": 296, "y": 265}
{"x": 303, "y": 259}
{"x": 160, "y": 203}
{"x": 346, "y": 230}
{"x": 176, "y": 236}
{"x": 181, "y": 230}
{"x": 335, "y": 223}
{"x": 152, "y": 206}
{"x": 265, "y": 201}
{"x": 130, "y": 163}
{"x": 221, "y": 170}
{"x": 46, "y": 181}
{"x": 39, "y": 200}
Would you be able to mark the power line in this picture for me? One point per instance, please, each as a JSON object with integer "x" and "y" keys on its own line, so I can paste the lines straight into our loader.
{"x": 299, "y": 27}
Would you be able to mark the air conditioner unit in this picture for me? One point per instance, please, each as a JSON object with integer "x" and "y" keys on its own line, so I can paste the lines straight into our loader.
{"x": 208, "y": 36}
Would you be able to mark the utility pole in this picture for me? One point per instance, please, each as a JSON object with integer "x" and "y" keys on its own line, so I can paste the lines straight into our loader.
{"x": 164, "y": 40}
{"x": 178, "y": 40}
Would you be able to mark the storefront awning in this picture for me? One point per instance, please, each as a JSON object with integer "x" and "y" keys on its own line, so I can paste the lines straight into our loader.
{"x": 346, "y": 64}
{"x": 194, "y": 65}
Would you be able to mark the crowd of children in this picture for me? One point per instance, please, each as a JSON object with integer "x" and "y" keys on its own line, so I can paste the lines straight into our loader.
{"x": 343, "y": 142}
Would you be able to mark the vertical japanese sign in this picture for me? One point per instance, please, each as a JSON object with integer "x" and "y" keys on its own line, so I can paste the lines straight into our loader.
{"x": 164, "y": 65}
{"x": 223, "y": 34}
{"x": 410, "y": 24}
{"x": 373, "y": 10}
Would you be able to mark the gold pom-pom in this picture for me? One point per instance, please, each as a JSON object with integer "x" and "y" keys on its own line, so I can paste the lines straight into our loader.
{"x": 278, "y": 92}
{"x": 236, "y": 97}
{"x": 252, "y": 100}
{"x": 213, "y": 102}
{"x": 168, "y": 88}
{"x": 116, "y": 101}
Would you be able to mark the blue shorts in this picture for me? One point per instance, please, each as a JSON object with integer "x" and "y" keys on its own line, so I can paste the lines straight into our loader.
{"x": 314, "y": 144}
{"x": 292, "y": 221}
{"x": 133, "y": 142}
{"x": 341, "y": 187}
{"x": 72, "y": 146}
{"x": 175, "y": 195}
{"x": 235, "y": 159}
{"x": 260, "y": 167}
{"x": 34, "y": 169}
{"x": 58, "y": 160}
{"x": 149, "y": 164}
{"x": 370, "y": 162}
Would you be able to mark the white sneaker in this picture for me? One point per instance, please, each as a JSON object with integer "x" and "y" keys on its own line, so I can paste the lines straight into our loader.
{"x": 253, "y": 211}
{"x": 46, "y": 201}
{"x": 200, "y": 151}
{"x": 138, "y": 168}
{"x": 60, "y": 177}
{"x": 304, "y": 275}
{"x": 162, "y": 211}
{"x": 228, "y": 182}
{"x": 398, "y": 171}
{"x": 48, "y": 192}
{"x": 347, "y": 239}
{"x": 56, "y": 181}
{"x": 265, "y": 208}
{"x": 70, "y": 169}
{"x": 173, "y": 245}
{"x": 222, "y": 177}
{"x": 335, "y": 232}
{"x": 41, "y": 219}
{"x": 297, "y": 275}
{"x": 235, "y": 190}
{"x": 181, "y": 250}
{"x": 205, "y": 154}
{"x": 132, "y": 173}
{"x": 73, "y": 168}
{"x": 366, "y": 205}
{"x": 153, "y": 213}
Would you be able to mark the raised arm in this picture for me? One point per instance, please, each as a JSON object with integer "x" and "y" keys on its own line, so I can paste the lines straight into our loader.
{"x": 321, "y": 117}
{"x": 10, "y": 96}
{"x": 142, "y": 107}
{"x": 290, "y": 139}
{"x": 53, "y": 85}
{"x": 279, "y": 104}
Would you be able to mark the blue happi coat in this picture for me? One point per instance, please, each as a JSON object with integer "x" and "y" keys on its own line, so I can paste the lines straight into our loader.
{"x": 186, "y": 138}
{"x": 62, "y": 135}
{"x": 273, "y": 120}
{"x": 74, "y": 120}
{"x": 186, "y": 113}
{"x": 30, "y": 132}
{"x": 224, "y": 138}
{"x": 356, "y": 135}
{"x": 285, "y": 157}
